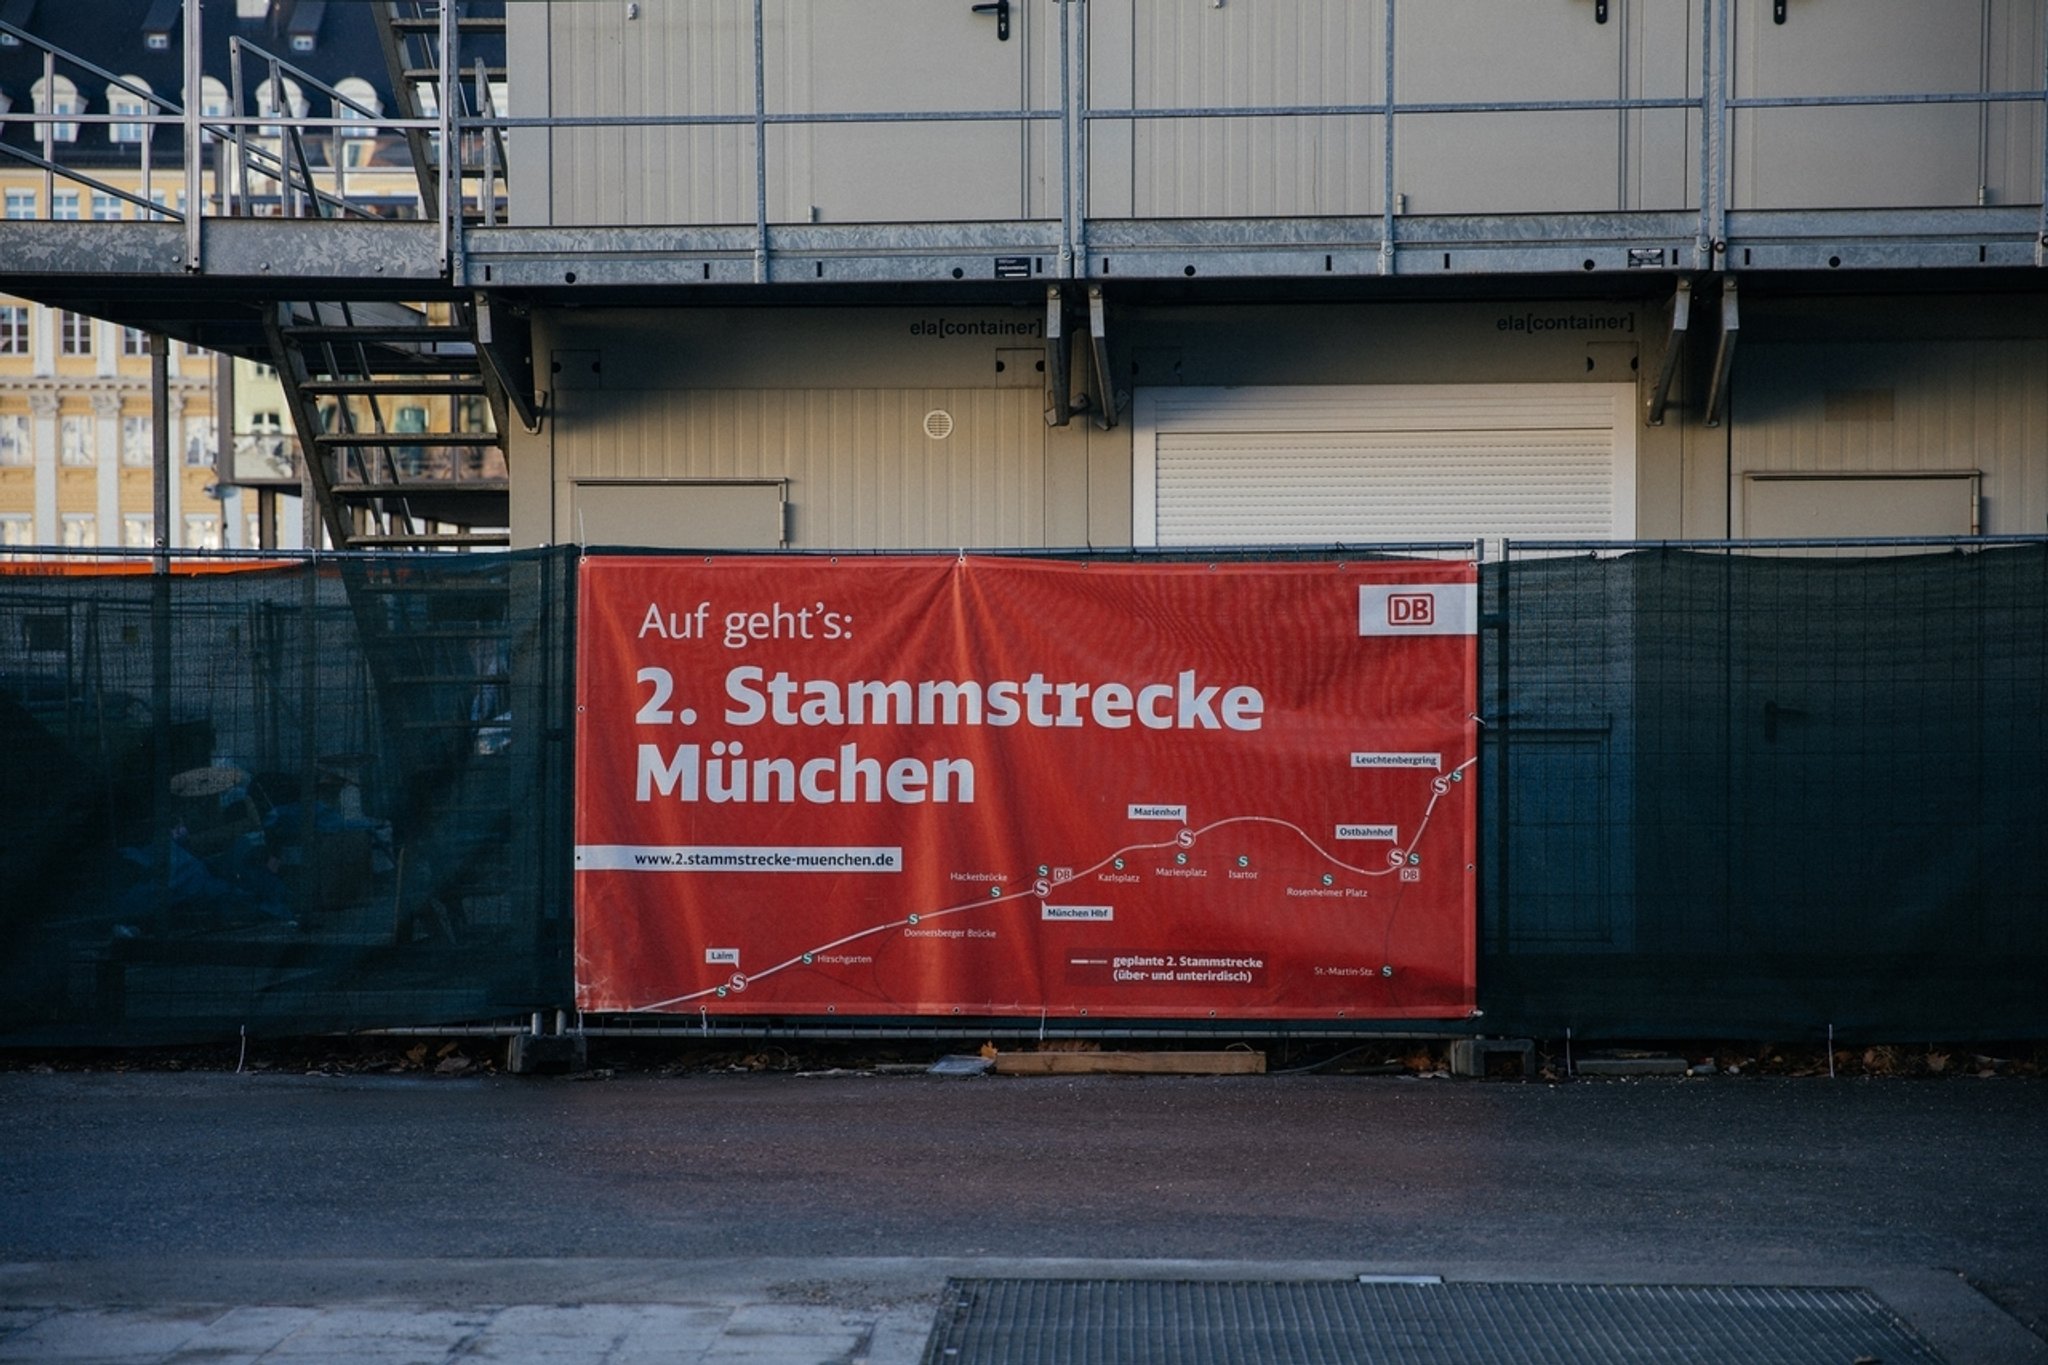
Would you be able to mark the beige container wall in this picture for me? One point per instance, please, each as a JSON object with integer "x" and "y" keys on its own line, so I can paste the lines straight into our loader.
{"x": 1465, "y": 50}
{"x": 913, "y": 56}
{"x": 1872, "y": 157}
{"x": 1659, "y": 148}
{"x": 872, "y": 56}
{"x": 695, "y": 57}
{"x": 2013, "y": 41}
{"x": 837, "y": 401}
{"x": 1144, "y": 54}
{"x": 1884, "y": 389}
{"x": 898, "y": 430}
{"x": 863, "y": 471}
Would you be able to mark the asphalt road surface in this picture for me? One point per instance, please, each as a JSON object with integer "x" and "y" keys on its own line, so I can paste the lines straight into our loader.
{"x": 863, "y": 1192}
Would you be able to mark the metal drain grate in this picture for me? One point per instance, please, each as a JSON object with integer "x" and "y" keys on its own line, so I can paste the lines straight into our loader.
{"x": 1189, "y": 1322}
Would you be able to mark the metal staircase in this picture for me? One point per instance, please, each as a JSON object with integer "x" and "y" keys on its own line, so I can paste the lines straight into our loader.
{"x": 393, "y": 410}
{"x": 410, "y": 33}
{"x": 403, "y": 409}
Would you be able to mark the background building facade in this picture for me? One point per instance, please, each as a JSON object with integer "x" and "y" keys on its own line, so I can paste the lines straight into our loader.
{"x": 75, "y": 412}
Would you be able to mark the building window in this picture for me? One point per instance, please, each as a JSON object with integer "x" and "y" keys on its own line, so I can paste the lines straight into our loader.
{"x": 136, "y": 445}
{"x": 74, "y": 332}
{"x": 14, "y": 446}
{"x": 262, "y": 452}
{"x": 105, "y": 208}
{"x": 200, "y": 449}
{"x": 74, "y": 439}
{"x": 64, "y": 206}
{"x": 81, "y": 530}
{"x": 13, "y": 329}
{"x": 127, "y": 134}
{"x": 60, "y": 96}
{"x": 134, "y": 341}
{"x": 17, "y": 529}
{"x": 138, "y": 531}
{"x": 360, "y": 96}
{"x": 213, "y": 103}
{"x": 21, "y": 204}
{"x": 122, "y": 102}
{"x": 293, "y": 105}
{"x": 202, "y": 533}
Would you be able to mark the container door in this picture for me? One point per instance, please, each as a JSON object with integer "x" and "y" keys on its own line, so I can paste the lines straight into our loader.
{"x": 906, "y": 56}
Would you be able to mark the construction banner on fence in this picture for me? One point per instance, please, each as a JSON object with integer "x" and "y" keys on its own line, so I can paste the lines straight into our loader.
{"x": 987, "y": 786}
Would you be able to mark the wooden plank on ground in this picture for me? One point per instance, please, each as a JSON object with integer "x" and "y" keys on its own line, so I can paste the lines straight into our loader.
{"x": 1130, "y": 1063}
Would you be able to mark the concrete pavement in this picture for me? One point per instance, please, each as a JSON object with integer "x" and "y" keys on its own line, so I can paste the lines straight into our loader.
{"x": 779, "y": 1219}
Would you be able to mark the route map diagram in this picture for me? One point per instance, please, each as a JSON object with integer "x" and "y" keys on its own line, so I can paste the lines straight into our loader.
{"x": 906, "y": 819}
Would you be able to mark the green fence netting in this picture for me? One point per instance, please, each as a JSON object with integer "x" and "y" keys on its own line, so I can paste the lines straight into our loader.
{"x": 317, "y": 795}
{"x": 1761, "y": 794}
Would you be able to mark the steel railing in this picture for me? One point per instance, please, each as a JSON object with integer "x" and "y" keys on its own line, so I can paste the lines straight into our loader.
{"x": 469, "y": 122}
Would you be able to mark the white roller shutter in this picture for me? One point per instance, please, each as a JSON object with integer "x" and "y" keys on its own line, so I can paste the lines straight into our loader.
{"x": 1253, "y": 466}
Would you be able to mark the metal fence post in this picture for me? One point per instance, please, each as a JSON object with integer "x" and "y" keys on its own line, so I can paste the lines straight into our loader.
{"x": 194, "y": 98}
{"x": 160, "y": 612}
{"x": 1504, "y": 703}
{"x": 241, "y": 134}
{"x": 451, "y": 144}
{"x": 1067, "y": 106}
{"x": 1482, "y": 771}
{"x": 1387, "y": 153}
{"x": 2041, "y": 236}
{"x": 760, "y": 146}
{"x": 1703, "y": 242}
{"x": 160, "y": 449}
{"x": 1079, "y": 152}
{"x": 46, "y": 133}
{"x": 1714, "y": 128}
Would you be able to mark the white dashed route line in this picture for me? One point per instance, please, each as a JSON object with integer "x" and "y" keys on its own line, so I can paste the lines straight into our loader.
{"x": 1184, "y": 839}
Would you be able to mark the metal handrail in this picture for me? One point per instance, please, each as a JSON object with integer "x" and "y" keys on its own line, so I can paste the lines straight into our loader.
{"x": 280, "y": 67}
{"x": 96, "y": 185}
{"x": 1716, "y": 102}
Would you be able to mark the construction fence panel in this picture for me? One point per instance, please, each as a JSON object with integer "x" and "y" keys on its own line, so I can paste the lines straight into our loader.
{"x": 1760, "y": 793}
{"x": 288, "y": 797}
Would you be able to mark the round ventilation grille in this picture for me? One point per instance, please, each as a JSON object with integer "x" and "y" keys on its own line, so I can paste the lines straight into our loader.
{"x": 938, "y": 424}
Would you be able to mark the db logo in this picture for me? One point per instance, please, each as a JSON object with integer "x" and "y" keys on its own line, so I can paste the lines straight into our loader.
{"x": 1411, "y": 609}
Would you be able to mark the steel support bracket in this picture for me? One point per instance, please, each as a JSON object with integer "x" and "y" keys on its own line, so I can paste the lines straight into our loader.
{"x": 504, "y": 345}
{"x": 1098, "y": 355}
{"x": 1059, "y": 406}
{"x": 1674, "y": 348}
{"x": 1724, "y": 354}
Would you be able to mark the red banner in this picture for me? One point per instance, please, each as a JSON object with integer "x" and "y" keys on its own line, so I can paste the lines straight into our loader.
{"x": 984, "y": 786}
